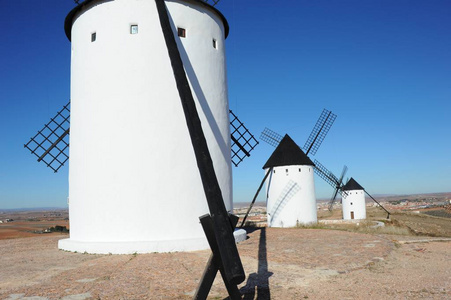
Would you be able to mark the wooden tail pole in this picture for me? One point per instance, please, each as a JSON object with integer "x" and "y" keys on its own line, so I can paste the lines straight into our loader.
{"x": 388, "y": 213}
{"x": 233, "y": 267}
{"x": 255, "y": 198}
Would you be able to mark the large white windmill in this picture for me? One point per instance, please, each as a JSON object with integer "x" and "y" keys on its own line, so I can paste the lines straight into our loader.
{"x": 134, "y": 183}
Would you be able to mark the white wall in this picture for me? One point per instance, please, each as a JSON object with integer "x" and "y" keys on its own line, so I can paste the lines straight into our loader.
{"x": 133, "y": 180}
{"x": 354, "y": 201}
{"x": 291, "y": 197}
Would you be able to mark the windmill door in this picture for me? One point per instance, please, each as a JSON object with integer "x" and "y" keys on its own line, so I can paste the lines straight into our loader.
{"x": 352, "y": 215}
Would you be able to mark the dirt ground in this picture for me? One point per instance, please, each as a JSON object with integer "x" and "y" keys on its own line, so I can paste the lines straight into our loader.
{"x": 279, "y": 264}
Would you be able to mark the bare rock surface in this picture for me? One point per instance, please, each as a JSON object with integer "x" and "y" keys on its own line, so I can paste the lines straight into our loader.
{"x": 279, "y": 264}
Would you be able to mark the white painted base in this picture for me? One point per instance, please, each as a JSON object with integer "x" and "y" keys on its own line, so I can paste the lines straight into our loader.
{"x": 141, "y": 247}
{"x": 132, "y": 247}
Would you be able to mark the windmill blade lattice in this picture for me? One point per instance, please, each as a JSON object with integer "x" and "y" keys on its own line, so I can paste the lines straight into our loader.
{"x": 287, "y": 193}
{"x": 319, "y": 132}
{"x": 325, "y": 174}
{"x": 271, "y": 137}
{"x": 243, "y": 142}
{"x": 51, "y": 143}
{"x": 338, "y": 188}
{"x": 331, "y": 179}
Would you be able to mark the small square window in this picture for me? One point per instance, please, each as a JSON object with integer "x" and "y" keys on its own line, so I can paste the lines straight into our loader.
{"x": 93, "y": 37}
{"x": 133, "y": 29}
{"x": 181, "y": 32}
{"x": 215, "y": 44}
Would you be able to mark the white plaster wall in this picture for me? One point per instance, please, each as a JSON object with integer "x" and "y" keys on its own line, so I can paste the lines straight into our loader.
{"x": 354, "y": 201}
{"x": 134, "y": 184}
{"x": 291, "y": 200}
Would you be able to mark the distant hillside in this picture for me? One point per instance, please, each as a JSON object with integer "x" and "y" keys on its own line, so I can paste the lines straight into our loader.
{"x": 379, "y": 197}
{"x": 8, "y": 210}
{"x": 246, "y": 204}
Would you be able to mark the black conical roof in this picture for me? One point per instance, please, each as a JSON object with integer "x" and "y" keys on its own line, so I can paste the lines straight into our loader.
{"x": 288, "y": 153}
{"x": 352, "y": 185}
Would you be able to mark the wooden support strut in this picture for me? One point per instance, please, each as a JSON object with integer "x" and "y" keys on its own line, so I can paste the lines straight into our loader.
{"x": 225, "y": 240}
{"x": 214, "y": 263}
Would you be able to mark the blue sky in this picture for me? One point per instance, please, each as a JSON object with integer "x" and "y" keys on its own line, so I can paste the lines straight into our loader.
{"x": 384, "y": 67}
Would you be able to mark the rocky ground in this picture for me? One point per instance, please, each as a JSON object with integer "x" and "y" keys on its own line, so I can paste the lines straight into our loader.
{"x": 279, "y": 263}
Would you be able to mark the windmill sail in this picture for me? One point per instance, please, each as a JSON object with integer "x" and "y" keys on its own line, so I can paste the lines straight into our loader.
{"x": 271, "y": 137}
{"x": 51, "y": 143}
{"x": 325, "y": 174}
{"x": 330, "y": 178}
{"x": 243, "y": 142}
{"x": 315, "y": 139}
{"x": 319, "y": 132}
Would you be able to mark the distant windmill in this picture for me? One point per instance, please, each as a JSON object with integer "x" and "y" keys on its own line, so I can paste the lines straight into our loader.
{"x": 132, "y": 160}
{"x": 290, "y": 158}
{"x": 354, "y": 201}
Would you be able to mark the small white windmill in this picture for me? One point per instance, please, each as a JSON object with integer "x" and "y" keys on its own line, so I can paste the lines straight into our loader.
{"x": 353, "y": 201}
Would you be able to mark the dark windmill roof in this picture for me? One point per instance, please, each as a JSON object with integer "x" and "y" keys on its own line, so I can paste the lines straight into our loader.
{"x": 288, "y": 153}
{"x": 352, "y": 185}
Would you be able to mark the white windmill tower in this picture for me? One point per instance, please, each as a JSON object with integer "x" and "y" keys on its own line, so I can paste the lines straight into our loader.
{"x": 290, "y": 187}
{"x": 134, "y": 184}
{"x": 353, "y": 201}
{"x": 294, "y": 188}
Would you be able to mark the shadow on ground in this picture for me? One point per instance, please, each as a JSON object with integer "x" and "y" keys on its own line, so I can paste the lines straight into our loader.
{"x": 257, "y": 285}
